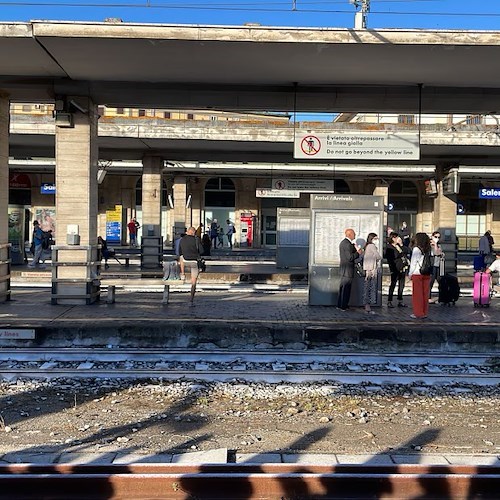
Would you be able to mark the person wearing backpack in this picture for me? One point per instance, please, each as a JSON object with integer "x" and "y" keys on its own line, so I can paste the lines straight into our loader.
{"x": 36, "y": 239}
{"x": 420, "y": 274}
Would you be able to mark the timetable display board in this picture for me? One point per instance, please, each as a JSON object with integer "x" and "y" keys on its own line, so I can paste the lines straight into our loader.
{"x": 328, "y": 230}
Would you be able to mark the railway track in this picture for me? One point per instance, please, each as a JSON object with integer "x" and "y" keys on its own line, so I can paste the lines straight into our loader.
{"x": 262, "y": 365}
{"x": 248, "y": 481}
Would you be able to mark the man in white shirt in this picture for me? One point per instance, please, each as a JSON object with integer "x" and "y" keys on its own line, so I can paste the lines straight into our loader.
{"x": 495, "y": 266}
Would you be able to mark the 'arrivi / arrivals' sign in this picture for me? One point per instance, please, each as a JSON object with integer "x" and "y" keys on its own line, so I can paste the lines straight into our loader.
{"x": 347, "y": 145}
{"x": 489, "y": 193}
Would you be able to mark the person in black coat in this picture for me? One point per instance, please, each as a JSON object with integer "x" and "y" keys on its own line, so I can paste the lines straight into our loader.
{"x": 397, "y": 258}
{"x": 348, "y": 255}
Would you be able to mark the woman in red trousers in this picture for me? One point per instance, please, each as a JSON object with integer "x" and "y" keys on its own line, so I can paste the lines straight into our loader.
{"x": 419, "y": 279}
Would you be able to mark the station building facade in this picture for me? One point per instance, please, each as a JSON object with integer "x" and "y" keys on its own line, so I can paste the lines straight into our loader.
{"x": 188, "y": 196}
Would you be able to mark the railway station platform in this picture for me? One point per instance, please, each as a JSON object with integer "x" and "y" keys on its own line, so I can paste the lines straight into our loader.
{"x": 238, "y": 303}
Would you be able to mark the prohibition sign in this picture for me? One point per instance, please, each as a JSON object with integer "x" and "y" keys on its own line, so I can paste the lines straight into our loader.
{"x": 310, "y": 145}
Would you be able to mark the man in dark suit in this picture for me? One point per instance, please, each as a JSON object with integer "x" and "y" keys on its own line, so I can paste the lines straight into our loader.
{"x": 348, "y": 255}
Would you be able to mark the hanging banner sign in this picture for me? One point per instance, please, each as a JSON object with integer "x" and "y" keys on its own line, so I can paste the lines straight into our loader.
{"x": 304, "y": 185}
{"x": 352, "y": 145}
{"x": 276, "y": 193}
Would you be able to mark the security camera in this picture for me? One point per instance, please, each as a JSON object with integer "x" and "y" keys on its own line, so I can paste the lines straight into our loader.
{"x": 78, "y": 107}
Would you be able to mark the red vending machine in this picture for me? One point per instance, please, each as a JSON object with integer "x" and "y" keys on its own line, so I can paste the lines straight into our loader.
{"x": 246, "y": 231}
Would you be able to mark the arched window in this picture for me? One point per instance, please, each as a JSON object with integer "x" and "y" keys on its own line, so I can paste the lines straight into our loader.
{"x": 220, "y": 192}
{"x": 341, "y": 186}
{"x": 403, "y": 195}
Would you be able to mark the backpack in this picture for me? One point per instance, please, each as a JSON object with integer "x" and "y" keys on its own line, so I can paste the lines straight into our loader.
{"x": 426, "y": 266}
{"x": 45, "y": 241}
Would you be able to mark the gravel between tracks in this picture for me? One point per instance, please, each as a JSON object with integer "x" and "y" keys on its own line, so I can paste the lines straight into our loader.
{"x": 174, "y": 417}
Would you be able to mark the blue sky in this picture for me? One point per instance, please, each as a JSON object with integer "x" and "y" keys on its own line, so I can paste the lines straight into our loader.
{"x": 429, "y": 14}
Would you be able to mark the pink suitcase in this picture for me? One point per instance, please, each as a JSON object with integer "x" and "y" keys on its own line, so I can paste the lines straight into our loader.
{"x": 482, "y": 289}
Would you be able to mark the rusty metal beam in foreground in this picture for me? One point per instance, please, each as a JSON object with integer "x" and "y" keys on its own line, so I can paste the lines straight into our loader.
{"x": 248, "y": 482}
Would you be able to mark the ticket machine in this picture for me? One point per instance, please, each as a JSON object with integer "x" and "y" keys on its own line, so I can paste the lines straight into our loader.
{"x": 246, "y": 229}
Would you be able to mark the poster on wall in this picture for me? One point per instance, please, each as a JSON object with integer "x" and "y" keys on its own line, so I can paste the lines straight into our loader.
{"x": 114, "y": 224}
{"x": 16, "y": 233}
{"x": 46, "y": 217}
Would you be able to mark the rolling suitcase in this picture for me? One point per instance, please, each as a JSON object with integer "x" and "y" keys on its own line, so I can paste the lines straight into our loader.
{"x": 449, "y": 290}
{"x": 482, "y": 289}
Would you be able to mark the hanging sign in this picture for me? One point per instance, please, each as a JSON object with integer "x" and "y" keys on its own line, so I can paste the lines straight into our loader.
{"x": 353, "y": 145}
{"x": 489, "y": 193}
{"x": 304, "y": 185}
{"x": 276, "y": 193}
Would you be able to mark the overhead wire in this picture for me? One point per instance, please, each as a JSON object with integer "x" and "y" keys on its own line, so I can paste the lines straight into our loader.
{"x": 284, "y": 6}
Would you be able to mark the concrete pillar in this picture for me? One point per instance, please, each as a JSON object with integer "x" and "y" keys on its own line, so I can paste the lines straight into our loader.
{"x": 445, "y": 221}
{"x": 180, "y": 193}
{"x": 152, "y": 241}
{"x": 151, "y": 192}
{"x": 76, "y": 268}
{"x": 4, "y": 199}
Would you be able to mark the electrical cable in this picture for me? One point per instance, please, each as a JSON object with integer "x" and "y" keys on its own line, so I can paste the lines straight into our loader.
{"x": 251, "y": 7}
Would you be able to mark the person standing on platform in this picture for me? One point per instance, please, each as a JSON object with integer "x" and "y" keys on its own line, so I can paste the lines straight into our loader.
{"x": 133, "y": 226}
{"x": 372, "y": 266}
{"x": 396, "y": 255}
{"x": 37, "y": 239}
{"x": 405, "y": 234}
{"x": 230, "y": 230}
{"x": 419, "y": 278}
{"x": 348, "y": 254}
{"x": 199, "y": 231}
{"x": 437, "y": 256}
{"x": 214, "y": 233}
{"x": 190, "y": 250}
{"x": 486, "y": 243}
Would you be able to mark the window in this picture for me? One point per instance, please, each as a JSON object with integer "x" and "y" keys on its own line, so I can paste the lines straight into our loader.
{"x": 406, "y": 119}
{"x": 404, "y": 196}
{"x": 190, "y": 116}
{"x": 219, "y": 192}
{"x": 142, "y": 112}
{"x": 120, "y": 111}
{"x": 474, "y": 119}
{"x": 167, "y": 115}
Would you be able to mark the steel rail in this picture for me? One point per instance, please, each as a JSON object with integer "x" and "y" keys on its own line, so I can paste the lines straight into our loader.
{"x": 274, "y": 376}
{"x": 237, "y": 482}
{"x": 262, "y": 355}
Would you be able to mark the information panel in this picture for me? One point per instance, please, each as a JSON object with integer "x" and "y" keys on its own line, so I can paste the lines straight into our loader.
{"x": 292, "y": 243}
{"x": 293, "y": 232}
{"x": 331, "y": 215}
{"x": 114, "y": 224}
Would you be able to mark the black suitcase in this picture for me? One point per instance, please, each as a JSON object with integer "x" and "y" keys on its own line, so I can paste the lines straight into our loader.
{"x": 449, "y": 289}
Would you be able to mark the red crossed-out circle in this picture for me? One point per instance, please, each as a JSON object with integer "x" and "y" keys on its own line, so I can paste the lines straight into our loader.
{"x": 310, "y": 145}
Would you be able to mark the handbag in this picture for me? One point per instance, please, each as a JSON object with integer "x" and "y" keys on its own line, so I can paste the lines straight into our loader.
{"x": 202, "y": 266}
{"x": 358, "y": 267}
